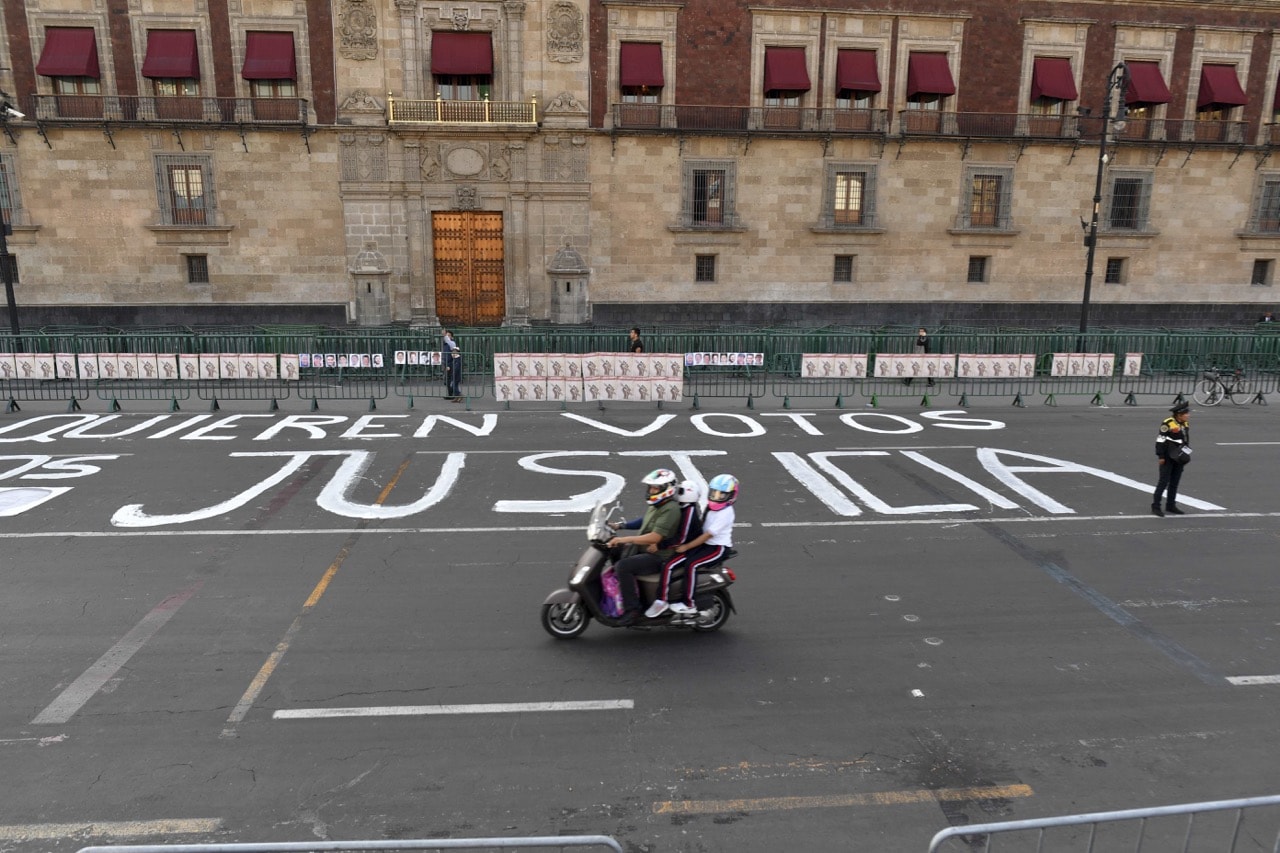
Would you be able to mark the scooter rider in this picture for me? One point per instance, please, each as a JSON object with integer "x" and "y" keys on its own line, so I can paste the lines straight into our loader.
{"x": 658, "y": 527}
{"x": 697, "y": 553}
{"x": 688, "y": 494}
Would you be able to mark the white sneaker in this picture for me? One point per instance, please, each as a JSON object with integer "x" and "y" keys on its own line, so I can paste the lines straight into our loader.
{"x": 681, "y": 608}
{"x": 656, "y": 609}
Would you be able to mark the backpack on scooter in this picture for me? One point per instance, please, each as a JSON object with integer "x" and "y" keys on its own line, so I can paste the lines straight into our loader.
{"x": 610, "y": 594}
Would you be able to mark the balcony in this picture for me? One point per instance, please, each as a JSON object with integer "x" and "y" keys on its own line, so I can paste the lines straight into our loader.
{"x": 470, "y": 113}
{"x": 1067, "y": 127}
{"x": 155, "y": 110}
{"x": 719, "y": 119}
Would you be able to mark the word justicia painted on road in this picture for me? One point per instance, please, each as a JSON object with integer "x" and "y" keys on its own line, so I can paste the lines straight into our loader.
{"x": 50, "y": 428}
{"x": 818, "y": 473}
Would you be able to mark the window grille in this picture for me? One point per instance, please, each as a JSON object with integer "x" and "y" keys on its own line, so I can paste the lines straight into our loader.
{"x": 184, "y": 186}
{"x": 704, "y": 268}
{"x": 988, "y": 199}
{"x": 1262, "y": 268}
{"x": 197, "y": 269}
{"x": 1266, "y": 206}
{"x": 10, "y": 200}
{"x": 1115, "y": 271}
{"x": 850, "y": 196}
{"x": 843, "y": 269}
{"x": 977, "y": 269}
{"x": 1128, "y": 202}
{"x": 709, "y": 195}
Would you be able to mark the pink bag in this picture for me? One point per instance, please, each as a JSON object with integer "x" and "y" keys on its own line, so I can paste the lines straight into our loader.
{"x": 610, "y": 594}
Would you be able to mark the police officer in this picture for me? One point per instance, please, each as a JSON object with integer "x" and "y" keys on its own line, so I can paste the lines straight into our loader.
{"x": 1173, "y": 450}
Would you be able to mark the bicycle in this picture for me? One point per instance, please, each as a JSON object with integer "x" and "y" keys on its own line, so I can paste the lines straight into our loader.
{"x": 1214, "y": 387}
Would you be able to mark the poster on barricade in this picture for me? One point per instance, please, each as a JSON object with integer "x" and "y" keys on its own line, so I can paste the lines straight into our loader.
{"x": 148, "y": 365}
{"x": 503, "y": 366}
{"x": 87, "y": 365}
{"x": 267, "y": 368}
{"x": 24, "y": 365}
{"x": 8, "y": 366}
{"x": 1133, "y": 364}
{"x": 127, "y": 364}
{"x": 833, "y": 366}
{"x": 108, "y": 365}
{"x": 64, "y": 365}
{"x": 1106, "y": 364}
{"x": 290, "y": 369}
{"x": 44, "y": 368}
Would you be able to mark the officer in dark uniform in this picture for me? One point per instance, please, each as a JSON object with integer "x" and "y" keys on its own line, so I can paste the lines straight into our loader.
{"x": 1173, "y": 451}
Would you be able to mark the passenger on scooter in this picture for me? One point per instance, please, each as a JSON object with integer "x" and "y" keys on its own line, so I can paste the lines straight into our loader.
{"x": 658, "y": 527}
{"x": 707, "y": 548}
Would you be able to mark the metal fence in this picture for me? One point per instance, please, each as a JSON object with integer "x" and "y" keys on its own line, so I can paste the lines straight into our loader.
{"x": 552, "y": 842}
{"x": 1173, "y": 361}
{"x": 1221, "y": 826}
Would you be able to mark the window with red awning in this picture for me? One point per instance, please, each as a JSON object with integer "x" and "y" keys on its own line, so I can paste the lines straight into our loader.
{"x": 461, "y": 54}
{"x": 69, "y": 52}
{"x": 269, "y": 56}
{"x": 784, "y": 70}
{"x": 171, "y": 54}
{"x": 1146, "y": 85}
{"x": 640, "y": 64}
{"x": 856, "y": 71}
{"x": 1051, "y": 77}
{"x": 929, "y": 74}
{"x": 1219, "y": 86}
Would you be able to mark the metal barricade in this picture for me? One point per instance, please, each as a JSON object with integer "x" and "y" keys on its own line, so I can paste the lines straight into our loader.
{"x": 533, "y": 842}
{"x": 787, "y": 379}
{"x": 1158, "y": 828}
{"x": 15, "y": 391}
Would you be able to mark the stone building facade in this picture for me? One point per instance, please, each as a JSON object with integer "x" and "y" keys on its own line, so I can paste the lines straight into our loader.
{"x": 526, "y": 161}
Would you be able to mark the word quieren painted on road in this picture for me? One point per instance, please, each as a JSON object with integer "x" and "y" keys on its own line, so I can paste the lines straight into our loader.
{"x": 50, "y": 428}
{"x": 831, "y": 483}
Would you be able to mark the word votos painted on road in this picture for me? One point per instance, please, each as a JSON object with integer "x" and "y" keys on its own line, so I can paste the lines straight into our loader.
{"x": 50, "y": 428}
{"x": 831, "y": 483}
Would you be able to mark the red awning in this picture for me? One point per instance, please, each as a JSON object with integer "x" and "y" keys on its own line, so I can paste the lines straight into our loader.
{"x": 461, "y": 54}
{"x": 1051, "y": 78}
{"x": 929, "y": 74}
{"x": 1219, "y": 85}
{"x": 171, "y": 54}
{"x": 856, "y": 71}
{"x": 784, "y": 70}
{"x": 640, "y": 64}
{"x": 269, "y": 56}
{"x": 69, "y": 52}
{"x": 1146, "y": 85}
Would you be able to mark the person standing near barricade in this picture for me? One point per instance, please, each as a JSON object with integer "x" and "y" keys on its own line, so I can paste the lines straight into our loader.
{"x": 451, "y": 363}
{"x": 1173, "y": 451}
{"x": 634, "y": 341}
{"x": 920, "y": 347}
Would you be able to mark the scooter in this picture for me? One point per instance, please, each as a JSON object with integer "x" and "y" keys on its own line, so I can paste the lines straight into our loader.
{"x": 568, "y": 611}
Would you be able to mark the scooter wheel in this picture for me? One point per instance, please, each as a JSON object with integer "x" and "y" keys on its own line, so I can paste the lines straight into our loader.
{"x": 715, "y": 616}
{"x": 565, "y": 621}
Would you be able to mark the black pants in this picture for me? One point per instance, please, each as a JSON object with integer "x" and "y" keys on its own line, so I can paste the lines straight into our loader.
{"x": 627, "y": 569}
{"x": 1170, "y": 474}
{"x": 453, "y": 376}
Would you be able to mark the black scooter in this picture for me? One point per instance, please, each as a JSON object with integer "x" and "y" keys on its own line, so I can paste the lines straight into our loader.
{"x": 567, "y": 612}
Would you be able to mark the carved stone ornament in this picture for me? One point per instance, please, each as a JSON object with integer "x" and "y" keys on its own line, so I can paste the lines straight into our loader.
{"x": 358, "y": 30}
{"x": 464, "y": 198}
{"x": 565, "y": 102}
{"x": 362, "y": 102}
{"x": 564, "y": 32}
{"x": 461, "y": 20}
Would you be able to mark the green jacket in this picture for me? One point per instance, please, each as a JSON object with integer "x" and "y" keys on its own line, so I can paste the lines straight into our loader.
{"x": 663, "y": 519}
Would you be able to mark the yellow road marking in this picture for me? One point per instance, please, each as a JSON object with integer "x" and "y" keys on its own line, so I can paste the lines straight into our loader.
{"x": 107, "y": 829}
{"x": 273, "y": 660}
{"x": 880, "y": 798}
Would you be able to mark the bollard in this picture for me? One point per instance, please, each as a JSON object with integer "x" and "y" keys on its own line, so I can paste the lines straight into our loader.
{"x": 466, "y": 403}
{"x": 173, "y": 404}
{"x": 751, "y": 402}
{"x": 786, "y": 401}
{"x": 695, "y": 401}
{"x": 315, "y": 404}
{"x": 213, "y": 405}
{"x": 275, "y": 405}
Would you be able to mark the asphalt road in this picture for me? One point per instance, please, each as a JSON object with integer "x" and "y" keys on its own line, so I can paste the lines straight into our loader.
{"x": 944, "y": 617}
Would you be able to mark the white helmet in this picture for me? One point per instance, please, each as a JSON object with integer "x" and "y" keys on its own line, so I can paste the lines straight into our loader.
{"x": 661, "y": 483}
{"x": 688, "y": 492}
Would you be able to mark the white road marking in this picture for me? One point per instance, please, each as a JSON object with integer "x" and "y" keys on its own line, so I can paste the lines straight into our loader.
{"x": 1167, "y": 524}
{"x": 1245, "y": 680}
{"x": 427, "y": 710}
{"x": 108, "y": 829}
{"x": 92, "y": 679}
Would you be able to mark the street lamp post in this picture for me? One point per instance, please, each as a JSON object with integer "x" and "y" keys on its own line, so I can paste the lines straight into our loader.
{"x": 1118, "y": 80}
{"x": 6, "y": 269}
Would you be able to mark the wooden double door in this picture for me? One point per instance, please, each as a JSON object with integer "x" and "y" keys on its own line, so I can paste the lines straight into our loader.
{"x": 470, "y": 282}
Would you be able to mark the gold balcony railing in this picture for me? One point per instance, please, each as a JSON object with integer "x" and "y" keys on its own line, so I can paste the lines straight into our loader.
{"x": 441, "y": 111}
